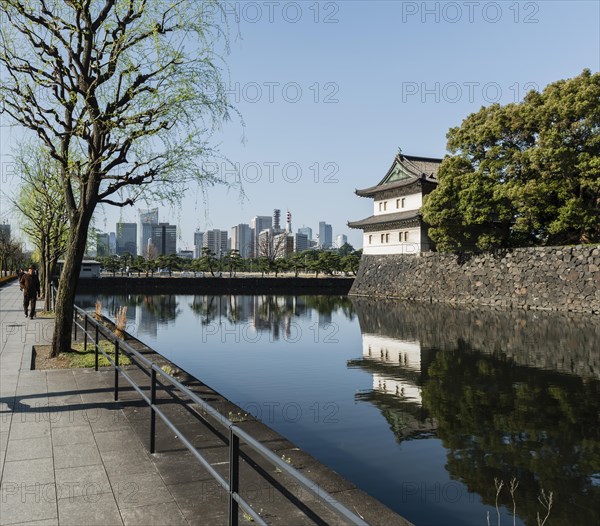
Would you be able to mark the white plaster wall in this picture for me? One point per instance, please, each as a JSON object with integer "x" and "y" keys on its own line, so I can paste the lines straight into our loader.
{"x": 395, "y": 246}
{"x": 412, "y": 202}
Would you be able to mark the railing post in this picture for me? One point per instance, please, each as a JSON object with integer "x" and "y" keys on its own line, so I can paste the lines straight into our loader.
{"x": 234, "y": 476}
{"x": 85, "y": 329}
{"x": 75, "y": 323}
{"x": 152, "y": 412}
{"x": 116, "y": 369}
{"x": 96, "y": 350}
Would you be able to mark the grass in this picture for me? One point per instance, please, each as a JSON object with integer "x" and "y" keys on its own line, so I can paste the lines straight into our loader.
{"x": 78, "y": 357}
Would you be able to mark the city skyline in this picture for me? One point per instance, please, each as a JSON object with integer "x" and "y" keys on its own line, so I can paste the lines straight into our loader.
{"x": 301, "y": 102}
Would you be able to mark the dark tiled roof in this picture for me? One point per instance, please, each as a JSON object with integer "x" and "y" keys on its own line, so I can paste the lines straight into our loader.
{"x": 384, "y": 218}
{"x": 417, "y": 168}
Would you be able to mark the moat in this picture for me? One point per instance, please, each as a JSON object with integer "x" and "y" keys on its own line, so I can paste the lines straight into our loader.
{"x": 422, "y": 406}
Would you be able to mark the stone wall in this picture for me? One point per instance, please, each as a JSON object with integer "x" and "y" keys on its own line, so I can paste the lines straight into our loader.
{"x": 547, "y": 278}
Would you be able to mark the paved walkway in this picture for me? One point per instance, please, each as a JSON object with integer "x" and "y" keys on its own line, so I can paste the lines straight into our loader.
{"x": 68, "y": 453}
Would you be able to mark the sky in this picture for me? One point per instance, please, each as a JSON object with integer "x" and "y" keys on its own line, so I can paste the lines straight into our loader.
{"x": 328, "y": 91}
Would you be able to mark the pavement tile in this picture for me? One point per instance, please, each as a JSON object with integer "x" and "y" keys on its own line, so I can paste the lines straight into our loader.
{"x": 120, "y": 462}
{"x": 28, "y": 472}
{"x": 29, "y": 448}
{"x": 108, "y": 419}
{"x": 22, "y": 503}
{"x": 21, "y": 428}
{"x": 115, "y": 439}
{"x": 201, "y": 502}
{"x": 72, "y": 435}
{"x": 75, "y": 456}
{"x": 165, "y": 514}
{"x": 180, "y": 467}
{"x": 100, "y": 510}
{"x": 81, "y": 481}
{"x": 141, "y": 489}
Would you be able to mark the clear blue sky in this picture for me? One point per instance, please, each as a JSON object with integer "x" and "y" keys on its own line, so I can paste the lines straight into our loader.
{"x": 373, "y": 76}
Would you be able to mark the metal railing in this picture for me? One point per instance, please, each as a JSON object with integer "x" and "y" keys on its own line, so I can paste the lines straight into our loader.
{"x": 235, "y": 433}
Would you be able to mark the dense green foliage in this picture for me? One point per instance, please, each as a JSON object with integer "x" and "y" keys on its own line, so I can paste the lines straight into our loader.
{"x": 523, "y": 174}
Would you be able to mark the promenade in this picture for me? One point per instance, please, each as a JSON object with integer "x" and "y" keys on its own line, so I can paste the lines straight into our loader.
{"x": 68, "y": 453}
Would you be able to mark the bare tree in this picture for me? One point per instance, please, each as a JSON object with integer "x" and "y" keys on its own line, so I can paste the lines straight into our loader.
{"x": 123, "y": 94}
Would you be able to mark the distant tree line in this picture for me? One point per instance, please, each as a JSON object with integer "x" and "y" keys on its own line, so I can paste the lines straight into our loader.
{"x": 345, "y": 261}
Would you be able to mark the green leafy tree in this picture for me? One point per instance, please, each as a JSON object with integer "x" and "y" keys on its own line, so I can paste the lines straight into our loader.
{"x": 522, "y": 174}
{"x": 40, "y": 201}
{"x": 124, "y": 94}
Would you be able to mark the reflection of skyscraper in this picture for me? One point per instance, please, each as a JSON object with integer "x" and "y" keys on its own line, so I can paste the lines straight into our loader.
{"x": 126, "y": 238}
{"x": 148, "y": 218}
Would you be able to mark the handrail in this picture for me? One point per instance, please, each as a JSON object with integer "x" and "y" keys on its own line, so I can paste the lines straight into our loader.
{"x": 236, "y": 434}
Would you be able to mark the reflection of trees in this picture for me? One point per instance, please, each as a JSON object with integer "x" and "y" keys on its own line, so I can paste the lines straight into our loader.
{"x": 330, "y": 304}
{"x": 161, "y": 307}
{"x": 492, "y": 382}
{"x": 269, "y": 313}
{"x": 501, "y": 420}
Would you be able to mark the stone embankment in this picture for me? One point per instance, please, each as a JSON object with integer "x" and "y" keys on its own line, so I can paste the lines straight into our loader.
{"x": 545, "y": 278}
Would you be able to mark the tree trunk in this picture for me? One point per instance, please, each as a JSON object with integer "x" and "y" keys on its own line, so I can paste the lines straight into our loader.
{"x": 67, "y": 285}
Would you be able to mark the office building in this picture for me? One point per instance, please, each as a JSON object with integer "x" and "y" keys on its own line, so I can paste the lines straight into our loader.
{"x": 112, "y": 244}
{"x": 164, "y": 238}
{"x": 258, "y": 224}
{"x": 198, "y": 243}
{"x": 340, "y": 240}
{"x": 300, "y": 242}
{"x": 277, "y": 220}
{"x": 325, "y": 235}
{"x": 148, "y": 219}
{"x": 126, "y": 239}
{"x": 307, "y": 231}
{"x": 241, "y": 240}
{"x": 216, "y": 241}
{"x": 102, "y": 245}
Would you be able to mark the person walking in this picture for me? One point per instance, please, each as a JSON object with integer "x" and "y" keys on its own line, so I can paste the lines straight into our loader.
{"x": 30, "y": 285}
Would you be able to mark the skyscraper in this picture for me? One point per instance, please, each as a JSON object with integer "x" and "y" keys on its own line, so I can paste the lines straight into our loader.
{"x": 258, "y": 224}
{"x": 216, "y": 241}
{"x": 340, "y": 240}
{"x": 325, "y": 235}
{"x": 300, "y": 242}
{"x": 126, "y": 238}
{"x": 4, "y": 232}
{"x": 148, "y": 219}
{"x": 307, "y": 231}
{"x": 198, "y": 242}
{"x": 277, "y": 220}
{"x": 164, "y": 238}
{"x": 241, "y": 239}
{"x": 102, "y": 245}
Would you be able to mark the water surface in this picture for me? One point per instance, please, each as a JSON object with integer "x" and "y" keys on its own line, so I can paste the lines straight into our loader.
{"x": 426, "y": 407}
